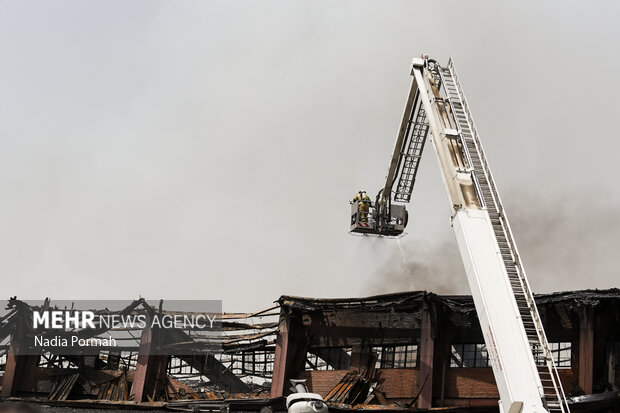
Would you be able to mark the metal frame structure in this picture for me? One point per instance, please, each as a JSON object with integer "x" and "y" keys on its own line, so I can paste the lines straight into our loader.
{"x": 238, "y": 359}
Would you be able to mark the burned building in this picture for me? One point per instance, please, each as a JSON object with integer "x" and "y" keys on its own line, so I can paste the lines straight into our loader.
{"x": 142, "y": 363}
{"x": 427, "y": 350}
{"x": 412, "y": 350}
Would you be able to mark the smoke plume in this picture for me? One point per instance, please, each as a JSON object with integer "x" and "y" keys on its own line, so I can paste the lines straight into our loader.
{"x": 566, "y": 243}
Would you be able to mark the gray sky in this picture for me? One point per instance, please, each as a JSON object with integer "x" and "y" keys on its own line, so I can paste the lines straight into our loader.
{"x": 204, "y": 149}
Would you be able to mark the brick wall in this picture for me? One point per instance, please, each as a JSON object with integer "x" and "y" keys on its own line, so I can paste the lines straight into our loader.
{"x": 567, "y": 377}
{"x": 470, "y": 383}
{"x": 394, "y": 383}
{"x": 399, "y": 383}
{"x": 477, "y": 384}
{"x": 322, "y": 382}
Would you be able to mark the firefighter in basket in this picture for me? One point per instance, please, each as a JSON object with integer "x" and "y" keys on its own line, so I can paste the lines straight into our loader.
{"x": 363, "y": 205}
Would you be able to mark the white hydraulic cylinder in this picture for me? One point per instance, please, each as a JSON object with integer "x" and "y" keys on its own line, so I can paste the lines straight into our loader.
{"x": 509, "y": 351}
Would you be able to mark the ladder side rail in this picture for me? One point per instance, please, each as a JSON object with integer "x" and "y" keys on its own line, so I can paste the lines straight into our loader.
{"x": 510, "y": 238}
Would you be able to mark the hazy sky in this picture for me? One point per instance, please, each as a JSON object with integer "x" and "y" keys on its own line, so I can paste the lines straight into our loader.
{"x": 203, "y": 149}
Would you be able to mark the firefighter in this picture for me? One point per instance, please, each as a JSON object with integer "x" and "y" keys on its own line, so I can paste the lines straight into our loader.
{"x": 363, "y": 205}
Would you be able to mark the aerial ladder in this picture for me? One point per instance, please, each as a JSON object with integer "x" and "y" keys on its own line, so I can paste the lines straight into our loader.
{"x": 523, "y": 366}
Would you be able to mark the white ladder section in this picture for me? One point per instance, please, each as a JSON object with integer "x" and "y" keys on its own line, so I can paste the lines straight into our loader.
{"x": 554, "y": 398}
{"x": 417, "y": 130}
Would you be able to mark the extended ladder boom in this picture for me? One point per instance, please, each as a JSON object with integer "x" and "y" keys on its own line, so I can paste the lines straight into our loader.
{"x": 523, "y": 366}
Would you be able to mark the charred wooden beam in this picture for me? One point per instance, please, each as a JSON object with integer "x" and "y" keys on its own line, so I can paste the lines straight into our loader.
{"x": 586, "y": 349}
{"x": 18, "y": 368}
{"x": 151, "y": 375}
{"x": 290, "y": 357}
{"x": 18, "y": 364}
{"x": 427, "y": 357}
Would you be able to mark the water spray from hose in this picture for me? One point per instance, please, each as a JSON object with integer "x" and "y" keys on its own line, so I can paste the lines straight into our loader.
{"x": 402, "y": 255}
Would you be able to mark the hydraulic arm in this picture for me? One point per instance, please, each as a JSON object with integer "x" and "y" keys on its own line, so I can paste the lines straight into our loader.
{"x": 387, "y": 215}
